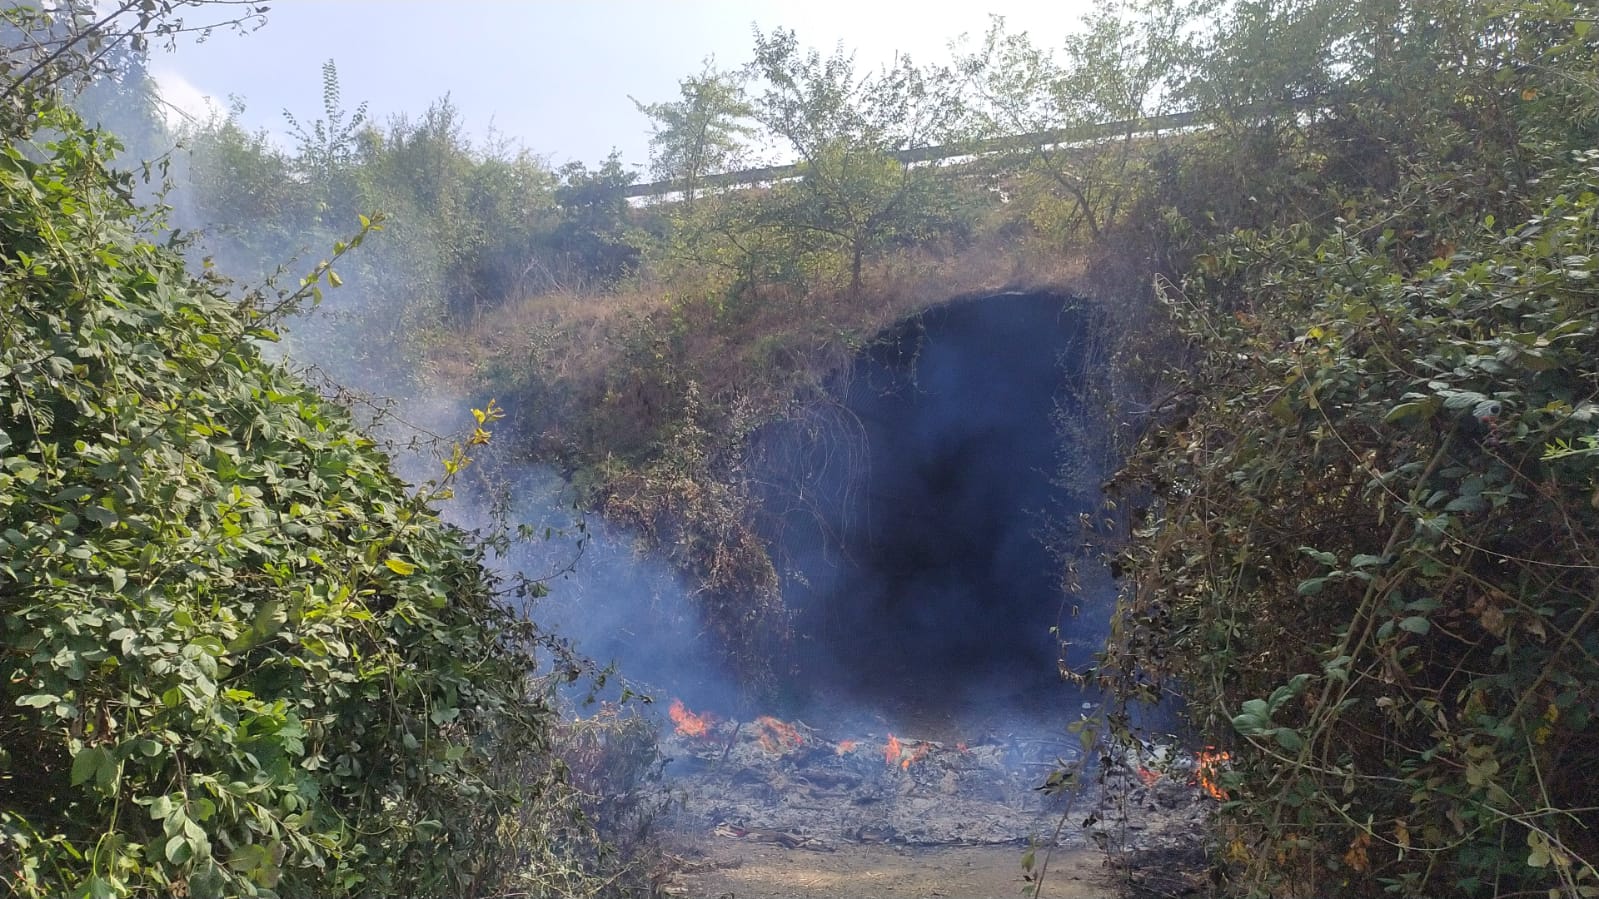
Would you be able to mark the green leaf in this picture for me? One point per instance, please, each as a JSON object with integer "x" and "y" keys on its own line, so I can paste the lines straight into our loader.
{"x": 1320, "y": 556}
{"x": 1479, "y": 773}
{"x": 178, "y": 850}
{"x": 1252, "y": 718}
{"x": 1419, "y": 409}
{"x": 1289, "y": 739}
{"x": 399, "y": 566}
{"x": 1415, "y": 624}
{"x": 87, "y": 762}
{"x": 160, "y": 807}
{"x": 108, "y": 775}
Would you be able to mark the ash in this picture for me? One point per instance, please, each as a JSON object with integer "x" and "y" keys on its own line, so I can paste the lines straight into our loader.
{"x": 788, "y": 783}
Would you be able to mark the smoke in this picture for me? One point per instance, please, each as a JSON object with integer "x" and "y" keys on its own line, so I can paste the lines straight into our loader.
{"x": 922, "y": 522}
{"x": 919, "y": 519}
{"x": 609, "y": 600}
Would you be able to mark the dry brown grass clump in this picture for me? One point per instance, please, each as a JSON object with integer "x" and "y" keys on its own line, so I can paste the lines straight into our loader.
{"x": 607, "y": 355}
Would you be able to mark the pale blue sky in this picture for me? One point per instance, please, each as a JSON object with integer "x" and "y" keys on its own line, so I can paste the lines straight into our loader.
{"x": 554, "y": 77}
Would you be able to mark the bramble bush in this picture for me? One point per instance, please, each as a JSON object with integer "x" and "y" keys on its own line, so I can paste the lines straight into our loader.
{"x": 239, "y": 657}
{"x": 1372, "y": 563}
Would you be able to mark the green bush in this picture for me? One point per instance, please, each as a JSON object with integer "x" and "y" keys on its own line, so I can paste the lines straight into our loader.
{"x": 238, "y": 657}
{"x": 1371, "y": 563}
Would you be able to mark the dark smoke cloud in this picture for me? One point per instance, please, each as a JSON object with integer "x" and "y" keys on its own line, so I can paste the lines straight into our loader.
{"x": 913, "y": 521}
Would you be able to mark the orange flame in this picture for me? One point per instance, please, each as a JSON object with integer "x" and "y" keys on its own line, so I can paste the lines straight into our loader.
{"x": 1211, "y": 762}
{"x": 1148, "y": 776}
{"x": 917, "y": 754}
{"x": 687, "y": 723}
{"x": 845, "y": 747}
{"x": 904, "y": 753}
{"x": 777, "y": 736}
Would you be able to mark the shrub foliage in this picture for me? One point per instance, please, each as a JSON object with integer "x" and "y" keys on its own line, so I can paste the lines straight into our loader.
{"x": 1373, "y": 560}
{"x": 238, "y": 657}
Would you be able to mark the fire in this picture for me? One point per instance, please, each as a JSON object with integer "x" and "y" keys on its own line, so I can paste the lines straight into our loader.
{"x": 904, "y": 754}
{"x": 778, "y": 736}
{"x": 688, "y": 724}
{"x": 917, "y": 754}
{"x": 845, "y": 747}
{"x": 1211, "y": 762}
{"x": 1148, "y": 776}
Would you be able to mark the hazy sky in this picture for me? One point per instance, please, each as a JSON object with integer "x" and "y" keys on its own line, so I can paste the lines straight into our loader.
{"x": 554, "y": 77}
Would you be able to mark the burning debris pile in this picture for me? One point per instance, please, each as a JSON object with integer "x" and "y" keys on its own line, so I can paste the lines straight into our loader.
{"x": 788, "y": 783}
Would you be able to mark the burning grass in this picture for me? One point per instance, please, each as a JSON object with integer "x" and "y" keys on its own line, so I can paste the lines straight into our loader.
{"x": 1211, "y": 763}
{"x": 819, "y": 791}
{"x": 905, "y": 753}
{"x": 777, "y": 736}
{"x": 688, "y": 724}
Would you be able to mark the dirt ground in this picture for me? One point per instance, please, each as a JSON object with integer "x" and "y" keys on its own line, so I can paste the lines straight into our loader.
{"x": 735, "y": 869}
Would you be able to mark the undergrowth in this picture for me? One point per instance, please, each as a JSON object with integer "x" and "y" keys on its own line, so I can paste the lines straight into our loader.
{"x": 1366, "y": 545}
{"x": 239, "y": 656}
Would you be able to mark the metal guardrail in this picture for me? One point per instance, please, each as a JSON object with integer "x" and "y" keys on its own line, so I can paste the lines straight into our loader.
{"x": 1076, "y": 134}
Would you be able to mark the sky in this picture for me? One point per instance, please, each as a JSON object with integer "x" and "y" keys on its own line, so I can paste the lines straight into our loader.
{"x": 552, "y": 77}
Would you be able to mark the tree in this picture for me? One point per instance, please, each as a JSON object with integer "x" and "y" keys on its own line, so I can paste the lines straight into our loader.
{"x": 238, "y": 655}
{"x": 1370, "y": 555}
{"x": 327, "y": 148}
{"x": 702, "y": 133}
{"x": 241, "y": 187}
{"x": 1111, "y": 79}
{"x": 594, "y": 219}
{"x": 861, "y": 185}
{"x": 123, "y": 99}
{"x": 67, "y": 44}
{"x": 205, "y": 600}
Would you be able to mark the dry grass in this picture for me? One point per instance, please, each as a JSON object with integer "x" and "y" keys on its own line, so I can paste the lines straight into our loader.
{"x": 618, "y": 349}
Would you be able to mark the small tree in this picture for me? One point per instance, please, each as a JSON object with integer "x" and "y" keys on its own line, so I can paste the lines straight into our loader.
{"x": 328, "y": 147}
{"x": 702, "y": 133}
{"x": 1112, "y": 78}
{"x": 594, "y": 220}
{"x": 858, "y": 140}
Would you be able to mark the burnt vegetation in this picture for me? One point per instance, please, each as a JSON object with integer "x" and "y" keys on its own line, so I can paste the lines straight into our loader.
{"x": 1321, "y": 392}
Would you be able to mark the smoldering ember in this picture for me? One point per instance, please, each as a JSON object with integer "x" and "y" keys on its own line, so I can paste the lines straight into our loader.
{"x": 784, "y": 782}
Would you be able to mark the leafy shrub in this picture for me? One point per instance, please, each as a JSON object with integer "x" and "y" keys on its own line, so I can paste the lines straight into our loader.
{"x": 1372, "y": 560}
{"x": 238, "y": 657}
